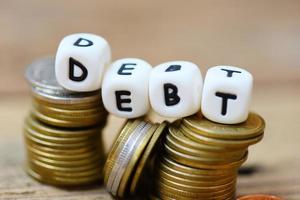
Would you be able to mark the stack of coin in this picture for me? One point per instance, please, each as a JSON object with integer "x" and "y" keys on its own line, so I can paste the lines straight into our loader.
{"x": 133, "y": 149}
{"x": 201, "y": 158}
{"x": 63, "y": 131}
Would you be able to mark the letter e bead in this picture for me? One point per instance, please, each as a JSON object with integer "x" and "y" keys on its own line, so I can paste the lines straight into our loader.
{"x": 125, "y": 88}
{"x": 175, "y": 89}
{"x": 226, "y": 94}
{"x": 80, "y": 62}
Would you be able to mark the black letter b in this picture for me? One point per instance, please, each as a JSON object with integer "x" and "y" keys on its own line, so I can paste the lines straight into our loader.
{"x": 171, "y": 94}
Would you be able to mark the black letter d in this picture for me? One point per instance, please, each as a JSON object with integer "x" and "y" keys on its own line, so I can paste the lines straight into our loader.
{"x": 72, "y": 63}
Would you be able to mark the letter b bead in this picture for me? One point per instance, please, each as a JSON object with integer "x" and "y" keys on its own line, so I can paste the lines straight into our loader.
{"x": 125, "y": 88}
{"x": 226, "y": 94}
{"x": 80, "y": 62}
{"x": 175, "y": 89}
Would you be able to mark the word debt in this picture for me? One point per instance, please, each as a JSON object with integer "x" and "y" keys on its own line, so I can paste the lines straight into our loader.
{"x": 131, "y": 86}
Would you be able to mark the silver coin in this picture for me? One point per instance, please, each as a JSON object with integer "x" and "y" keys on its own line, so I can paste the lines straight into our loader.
{"x": 41, "y": 73}
{"x": 63, "y": 97}
{"x": 41, "y": 76}
{"x": 123, "y": 165}
{"x": 122, "y": 155}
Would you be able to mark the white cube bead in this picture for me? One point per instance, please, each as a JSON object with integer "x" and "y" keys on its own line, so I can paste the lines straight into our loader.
{"x": 80, "y": 62}
{"x": 175, "y": 89}
{"x": 226, "y": 94}
{"x": 125, "y": 88}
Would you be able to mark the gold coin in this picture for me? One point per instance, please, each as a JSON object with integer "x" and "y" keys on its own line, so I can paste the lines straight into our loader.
{"x": 59, "y": 132}
{"x": 123, "y": 155}
{"x": 65, "y": 152}
{"x": 199, "y": 158}
{"x": 200, "y": 163}
{"x": 203, "y": 154}
{"x": 235, "y": 144}
{"x": 129, "y": 125}
{"x": 204, "y": 190}
{"x": 259, "y": 197}
{"x": 162, "y": 188}
{"x": 189, "y": 143}
{"x": 89, "y": 174}
{"x": 71, "y": 114}
{"x": 60, "y": 140}
{"x": 80, "y": 174}
{"x": 196, "y": 172}
{"x": 252, "y": 127}
{"x": 60, "y": 163}
{"x": 151, "y": 146}
{"x": 189, "y": 178}
{"x": 71, "y": 99}
{"x": 162, "y": 172}
{"x": 65, "y": 156}
{"x": 134, "y": 160}
{"x": 58, "y": 181}
{"x": 51, "y": 168}
{"x": 30, "y": 138}
{"x": 65, "y": 123}
{"x": 38, "y": 99}
{"x": 171, "y": 196}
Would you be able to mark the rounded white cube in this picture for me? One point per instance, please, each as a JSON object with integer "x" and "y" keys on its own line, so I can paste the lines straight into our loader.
{"x": 227, "y": 94}
{"x": 125, "y": 88}
{"x": 80, "y": 61}
{"x": 175, "y": 89}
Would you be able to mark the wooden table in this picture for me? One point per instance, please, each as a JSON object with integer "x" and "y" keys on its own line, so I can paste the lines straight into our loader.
{"x": 276, "y": 159}
{"x": 262, "y": 36}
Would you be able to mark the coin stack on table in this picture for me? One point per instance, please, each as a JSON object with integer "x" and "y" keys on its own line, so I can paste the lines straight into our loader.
{"x": 63, "y": 130}
{"x": 130, "y": 154}
{"x": 201, "y": 158}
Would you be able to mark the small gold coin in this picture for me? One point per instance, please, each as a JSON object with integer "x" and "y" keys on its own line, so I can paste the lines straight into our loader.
{"x": 46, "y": 129}
{"x": 163, "y": 172}
{"x": 61, "y": 140}
{"x": 64, "y": 155}
{"x": 47, "y": 100}
{"x": 169, "y": 190}
{"x": 252, "y": 127}
{"x": 234, "y": 144}
{"x": 65, "y": 123}
{"x": 63, "y": 152}
{"x": 201, "y": 153}
{"x": 59, "y": 163}
{"x": 200, "y": 163}
{"x": 177, "y": 135}
{"x": 30, "y": 138}
{"x": 68, "y": 175}
{"x": 75, "y": 115}
{"x": 49, "y": 178}
{"x": 51, "y": 168}
{"x": 195, "y": 172}
{"x": 204, "y": 190}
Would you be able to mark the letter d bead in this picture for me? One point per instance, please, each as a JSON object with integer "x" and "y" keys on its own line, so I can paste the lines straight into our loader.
{"x": 80, "y": 62}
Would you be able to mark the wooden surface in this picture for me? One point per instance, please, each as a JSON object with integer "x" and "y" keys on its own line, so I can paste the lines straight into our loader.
{"x": 276, "y": 158}
{"x": 262, "y": 36}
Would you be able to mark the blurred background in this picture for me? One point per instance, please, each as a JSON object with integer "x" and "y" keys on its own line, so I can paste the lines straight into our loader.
{"x": 262, "y": 36}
